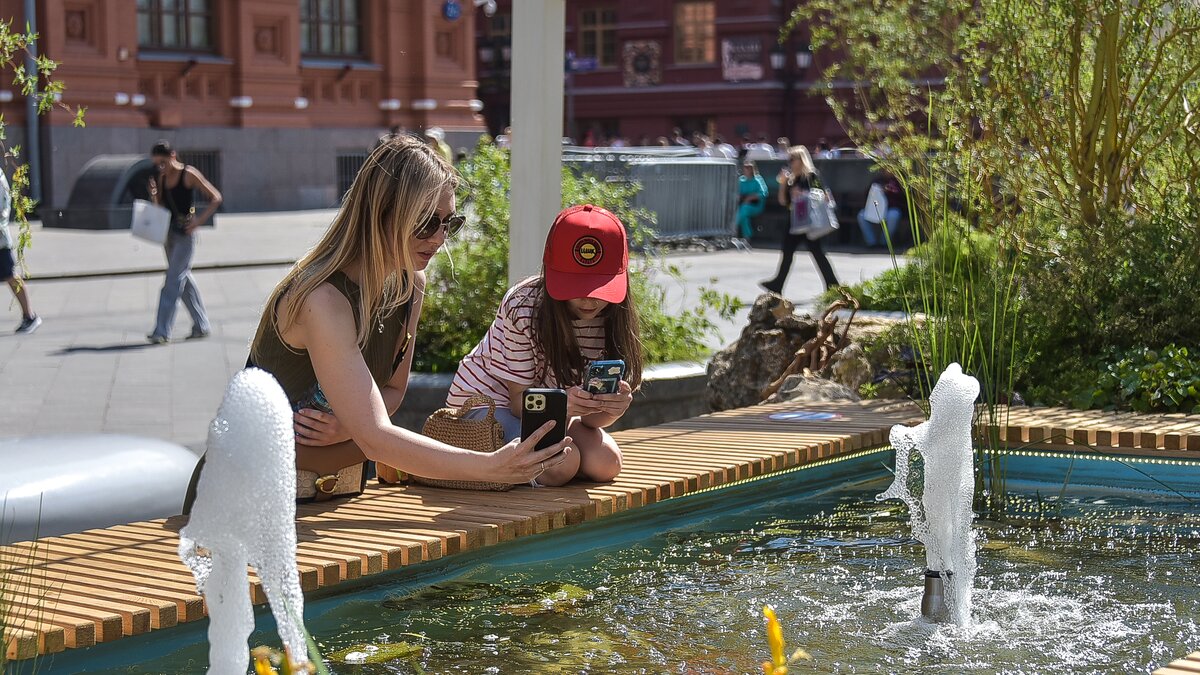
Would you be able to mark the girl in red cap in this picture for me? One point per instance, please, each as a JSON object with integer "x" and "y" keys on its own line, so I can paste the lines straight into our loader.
{"x": 549, "y": 327}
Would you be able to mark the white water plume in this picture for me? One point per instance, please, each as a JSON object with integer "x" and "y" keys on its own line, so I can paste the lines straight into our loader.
{"x": 941, "y": 515}
{"x": 245, "y": 514}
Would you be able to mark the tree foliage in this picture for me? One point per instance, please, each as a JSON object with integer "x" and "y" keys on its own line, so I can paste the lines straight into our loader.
{"x": 1065, "y": 129}
{"x": 38, "y": 82}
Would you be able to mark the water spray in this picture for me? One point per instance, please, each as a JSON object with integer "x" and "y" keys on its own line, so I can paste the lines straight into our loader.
{"x": 939, "y": 505}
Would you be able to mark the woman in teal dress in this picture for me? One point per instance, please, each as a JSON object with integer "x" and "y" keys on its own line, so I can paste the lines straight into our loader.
{"x": 752, "y": 198}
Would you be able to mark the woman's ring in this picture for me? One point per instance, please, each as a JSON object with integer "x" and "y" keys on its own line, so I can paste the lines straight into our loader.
{"x": 543, "y": 465}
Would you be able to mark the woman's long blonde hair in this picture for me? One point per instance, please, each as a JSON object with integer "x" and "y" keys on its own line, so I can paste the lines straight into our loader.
{"x": 395, "y": 191}
{"x": 799, "y": 153}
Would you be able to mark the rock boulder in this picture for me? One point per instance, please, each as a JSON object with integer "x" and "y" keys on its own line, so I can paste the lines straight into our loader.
{"x": 739, "y": 373}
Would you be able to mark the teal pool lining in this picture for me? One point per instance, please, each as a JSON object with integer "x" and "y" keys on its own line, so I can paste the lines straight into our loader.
{"x": 1089, "y": 472}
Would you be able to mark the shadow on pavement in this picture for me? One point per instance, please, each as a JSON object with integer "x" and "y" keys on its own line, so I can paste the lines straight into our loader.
{"x": 125, "y": 347}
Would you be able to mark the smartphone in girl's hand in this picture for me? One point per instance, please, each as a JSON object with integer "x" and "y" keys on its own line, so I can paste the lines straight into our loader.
{"x": 604, "y": 377}
{"x": 539, "y": 406}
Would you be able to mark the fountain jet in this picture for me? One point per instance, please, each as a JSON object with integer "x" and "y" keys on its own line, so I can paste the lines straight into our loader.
{"x": 940, "y": 509}
{"x": 245, "y": 513}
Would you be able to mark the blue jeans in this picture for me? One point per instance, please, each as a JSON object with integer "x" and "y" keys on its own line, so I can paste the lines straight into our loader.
{"x": 873, "y": 233}
{"x": 510, "y": 422}
{"x": 180, "y": 285}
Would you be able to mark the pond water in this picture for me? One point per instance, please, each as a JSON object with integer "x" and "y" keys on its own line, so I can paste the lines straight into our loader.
{"x": 1089, "y": 580}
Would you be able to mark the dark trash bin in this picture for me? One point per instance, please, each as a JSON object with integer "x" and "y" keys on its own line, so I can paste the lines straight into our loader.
{"x": 103, "y": 194}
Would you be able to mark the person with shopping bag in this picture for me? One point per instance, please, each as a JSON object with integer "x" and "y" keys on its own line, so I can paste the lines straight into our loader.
{"x": 795, "y": 182}
{"x": 884, "y": 207}
{"x": 174, "y": 187}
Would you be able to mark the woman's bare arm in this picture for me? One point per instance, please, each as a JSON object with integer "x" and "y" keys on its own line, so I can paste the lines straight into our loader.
{"x": 325, "y": 328}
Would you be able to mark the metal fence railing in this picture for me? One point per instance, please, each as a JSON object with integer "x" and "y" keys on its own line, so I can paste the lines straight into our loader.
{"x": 691, "y": 197}
{"x": 348, "y": 164}
{"x": 208, "y": 162}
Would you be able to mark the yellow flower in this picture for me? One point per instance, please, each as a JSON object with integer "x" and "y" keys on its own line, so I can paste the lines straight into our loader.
{"x": 778, "y": 665}
{"x": 262, "y": 661}
{"x": 263, "y": 656}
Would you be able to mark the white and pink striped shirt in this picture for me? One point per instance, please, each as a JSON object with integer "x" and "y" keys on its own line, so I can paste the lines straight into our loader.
{"x": 507, "y": 353}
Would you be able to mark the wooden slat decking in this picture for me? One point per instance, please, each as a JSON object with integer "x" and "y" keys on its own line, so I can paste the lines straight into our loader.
{"x": 1188, "y": 665}
{"x": 97, "y": 586}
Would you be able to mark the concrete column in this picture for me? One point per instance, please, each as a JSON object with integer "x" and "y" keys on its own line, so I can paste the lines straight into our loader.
{"x": 537, "y": 115}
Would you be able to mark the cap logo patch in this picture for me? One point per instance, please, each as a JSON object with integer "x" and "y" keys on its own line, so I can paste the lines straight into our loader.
{"x": 587, "y": 251}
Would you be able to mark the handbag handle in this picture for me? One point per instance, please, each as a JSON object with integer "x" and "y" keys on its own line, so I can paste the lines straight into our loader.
{"x": 478, "y": 401}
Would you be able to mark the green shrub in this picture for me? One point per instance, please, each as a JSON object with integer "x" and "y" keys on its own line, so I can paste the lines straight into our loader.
{"x": 1148, "y": 380}
{"x": 467, "y": 284}
{"x": 958, "y": 255}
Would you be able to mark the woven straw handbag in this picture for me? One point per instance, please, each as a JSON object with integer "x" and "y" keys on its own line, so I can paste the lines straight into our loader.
{"x": 449, "y": 426}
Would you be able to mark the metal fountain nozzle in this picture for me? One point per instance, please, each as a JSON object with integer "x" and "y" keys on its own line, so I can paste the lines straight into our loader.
{"x": 933, "y": 600}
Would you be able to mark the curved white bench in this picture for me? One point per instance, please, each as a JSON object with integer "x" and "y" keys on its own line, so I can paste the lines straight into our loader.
{"x": 51, "y": 485}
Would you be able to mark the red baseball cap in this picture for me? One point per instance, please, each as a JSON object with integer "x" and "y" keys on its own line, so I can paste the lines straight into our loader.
{"x": 587, "y": 255}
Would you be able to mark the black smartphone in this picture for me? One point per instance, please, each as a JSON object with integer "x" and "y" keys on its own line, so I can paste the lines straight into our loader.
{"x": 604, "y": 377}
{"x": 539, "y": 406}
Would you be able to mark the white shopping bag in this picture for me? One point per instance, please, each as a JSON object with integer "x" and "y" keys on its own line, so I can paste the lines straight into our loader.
{"x": 150, "y": 221}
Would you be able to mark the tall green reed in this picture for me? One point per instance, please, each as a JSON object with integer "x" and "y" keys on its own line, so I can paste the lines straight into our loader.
{"x": 965, "y": 305}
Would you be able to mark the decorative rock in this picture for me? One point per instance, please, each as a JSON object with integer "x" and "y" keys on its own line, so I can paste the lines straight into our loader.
{"x": 851, "y": 367}
{"x": 738, "y": 374}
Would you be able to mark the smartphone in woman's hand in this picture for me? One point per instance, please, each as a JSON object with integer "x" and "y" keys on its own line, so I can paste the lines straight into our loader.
{"x": 604, "y": 377}
{"x": 539, "y": 406}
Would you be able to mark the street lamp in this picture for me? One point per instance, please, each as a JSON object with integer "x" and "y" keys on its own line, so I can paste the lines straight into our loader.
{"x": 804, "y": 58}
{"x": 779, "y": 58}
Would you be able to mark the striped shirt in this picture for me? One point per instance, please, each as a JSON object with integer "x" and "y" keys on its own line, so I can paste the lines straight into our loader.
{"x": 507, "y": 352}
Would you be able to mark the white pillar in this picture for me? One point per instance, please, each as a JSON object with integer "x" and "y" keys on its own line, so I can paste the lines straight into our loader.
{"x": 537, "y": 113}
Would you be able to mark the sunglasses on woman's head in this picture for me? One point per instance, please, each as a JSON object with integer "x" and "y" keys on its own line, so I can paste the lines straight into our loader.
{"x": 452, "y": 222}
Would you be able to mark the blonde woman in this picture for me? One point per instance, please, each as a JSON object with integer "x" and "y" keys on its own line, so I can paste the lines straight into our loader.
{"x": 337, "y": 333}
{"x": 794, "y": 183}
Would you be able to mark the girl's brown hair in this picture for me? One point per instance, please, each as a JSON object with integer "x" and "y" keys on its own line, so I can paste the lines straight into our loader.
{"x": 554, "y": 338}
{"x": 396, "y": 190}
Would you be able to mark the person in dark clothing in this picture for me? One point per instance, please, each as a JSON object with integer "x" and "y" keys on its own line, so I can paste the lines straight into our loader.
{"x": 174, "y": 187}
{"x": 794, "y": 184}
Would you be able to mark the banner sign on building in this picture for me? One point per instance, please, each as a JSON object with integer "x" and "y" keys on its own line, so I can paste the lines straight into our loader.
{"x": 741, "y": 59}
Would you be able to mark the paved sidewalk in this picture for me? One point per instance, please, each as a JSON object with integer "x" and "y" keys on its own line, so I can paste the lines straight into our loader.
{"x": 237, "y": 239}
{"x": 88, "y": 369}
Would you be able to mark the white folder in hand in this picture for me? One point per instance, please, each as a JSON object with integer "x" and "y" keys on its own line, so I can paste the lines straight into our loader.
{"x": 150, "y": 221}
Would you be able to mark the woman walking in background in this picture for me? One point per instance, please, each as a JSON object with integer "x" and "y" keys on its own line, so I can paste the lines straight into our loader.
{"x": 175, "y": 188}
{"x": 793, "y": 193}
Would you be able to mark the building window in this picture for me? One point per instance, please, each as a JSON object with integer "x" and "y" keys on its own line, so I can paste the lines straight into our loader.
{"x": 695, "y": 31}
{"x": 175, "y": 24}
{"x": 499, "y": 25}
{"x": 598, "y": 35}
{"x": 331, "y": 27}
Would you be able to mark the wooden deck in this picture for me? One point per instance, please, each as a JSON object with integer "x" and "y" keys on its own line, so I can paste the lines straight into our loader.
{"x": 76, "y": 590}
{"x": 1188, "y": 665}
